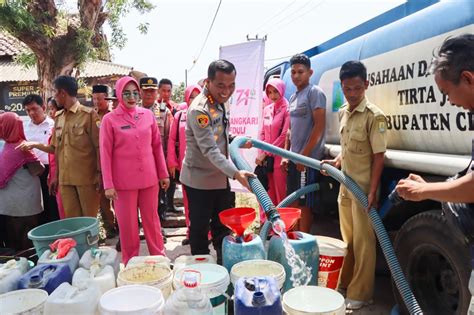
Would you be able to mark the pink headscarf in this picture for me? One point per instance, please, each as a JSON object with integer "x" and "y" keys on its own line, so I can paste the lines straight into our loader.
{"x": 119, "y": 87}
{"x": 266, "y": 100}
{"x": 11, "y": 130}
{"x": 279, "y": 85}
{"x": 189, "y": 90}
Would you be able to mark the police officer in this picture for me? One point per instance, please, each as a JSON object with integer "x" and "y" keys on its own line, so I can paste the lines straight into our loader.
{"x": 164, "y": 118}
{"x": 75, "y": 143}
{"x": 363, "y": 142}
{"x": 206, "y": 167}
{"x": 101, "y": 106}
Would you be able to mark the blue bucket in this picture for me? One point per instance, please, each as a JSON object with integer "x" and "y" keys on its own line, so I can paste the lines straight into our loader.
{"x": 84, "y": 230}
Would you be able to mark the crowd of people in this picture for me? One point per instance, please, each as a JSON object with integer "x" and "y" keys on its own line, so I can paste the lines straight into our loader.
{"x": 127, "y": 154}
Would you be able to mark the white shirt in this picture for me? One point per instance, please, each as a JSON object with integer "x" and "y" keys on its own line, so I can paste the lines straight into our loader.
{"x": 40, "y": 133}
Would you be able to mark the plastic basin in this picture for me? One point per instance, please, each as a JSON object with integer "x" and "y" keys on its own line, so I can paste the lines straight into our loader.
{"x": 84, "y": 230}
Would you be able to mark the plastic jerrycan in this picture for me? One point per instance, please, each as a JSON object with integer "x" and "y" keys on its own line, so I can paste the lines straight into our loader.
{"x": 10, "y": 274}
{"x": 82, "y": 298}
{"x": 257, "y": 296}
{"x": 189, "y": 299}
{"x": 305, "y": 246}
{"x": 46, "y": 277}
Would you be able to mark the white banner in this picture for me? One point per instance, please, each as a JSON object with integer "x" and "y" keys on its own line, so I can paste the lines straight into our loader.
{"x": 246, "y": 102}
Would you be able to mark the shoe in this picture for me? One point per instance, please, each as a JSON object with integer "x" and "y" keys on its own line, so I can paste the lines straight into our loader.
{"x": 356, "y": 305}
{"x": 185, "y": 242}
{"x": 173, "y": 210}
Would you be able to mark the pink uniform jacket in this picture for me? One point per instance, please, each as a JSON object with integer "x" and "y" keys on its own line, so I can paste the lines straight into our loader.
{"x": 275, "y": 125}
{"x": 175, "y": 159}
{"x": 131, "y": 150}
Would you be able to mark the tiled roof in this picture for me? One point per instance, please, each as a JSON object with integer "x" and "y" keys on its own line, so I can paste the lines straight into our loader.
{"x": 11, "y": 71}
{"x": 10, "y": 46}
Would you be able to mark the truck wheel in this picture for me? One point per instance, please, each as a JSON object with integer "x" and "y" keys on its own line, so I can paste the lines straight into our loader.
{"x": 436, "y": 263}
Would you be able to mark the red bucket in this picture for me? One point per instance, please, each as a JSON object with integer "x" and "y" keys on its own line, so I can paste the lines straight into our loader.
{"x": 331, "y": 256}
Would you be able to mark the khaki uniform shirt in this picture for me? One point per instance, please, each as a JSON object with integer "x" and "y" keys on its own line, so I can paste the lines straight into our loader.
{"x": 101, "y": 114}
{"x": 363, "y": 133}
{"x": 76, "y": 143}
{"x": 164, "y": 118}
{"x": 206, "y": 162}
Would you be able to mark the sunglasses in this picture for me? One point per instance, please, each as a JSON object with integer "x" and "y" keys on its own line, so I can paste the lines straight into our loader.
{"x": 133, "y": 94}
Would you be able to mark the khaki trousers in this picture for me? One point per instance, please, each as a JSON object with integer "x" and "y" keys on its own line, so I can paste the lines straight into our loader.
{"x": 106, "y": 212}
{"x": 358, "y": 270}
{"x": 80, "y": 201}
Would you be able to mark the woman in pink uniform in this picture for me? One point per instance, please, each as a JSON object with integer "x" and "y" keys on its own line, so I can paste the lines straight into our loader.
{"x": 177, "y": 145}
{"x": 133, "y": 164}
{"x": 276, "y": 120}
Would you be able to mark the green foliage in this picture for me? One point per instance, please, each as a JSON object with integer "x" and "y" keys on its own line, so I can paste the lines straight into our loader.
{"x": 15, "y": 17}
{"x": 178, "y": 93}
{"x": 120, "y": 8}
{"x": 26, "y": 58}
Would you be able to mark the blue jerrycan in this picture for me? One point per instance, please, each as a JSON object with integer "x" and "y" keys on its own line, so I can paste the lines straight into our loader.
{"x": 305, "y": 247}
{"x": 46, "y": 277}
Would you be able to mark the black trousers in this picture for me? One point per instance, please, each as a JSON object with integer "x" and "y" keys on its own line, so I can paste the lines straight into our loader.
{"x": 50, "y": 205}
{"x": 204, "y": 209}
{"x": 166, "y": 198}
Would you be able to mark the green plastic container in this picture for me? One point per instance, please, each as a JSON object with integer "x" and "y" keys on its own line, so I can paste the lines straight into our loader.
{"x": 84, "y": 230}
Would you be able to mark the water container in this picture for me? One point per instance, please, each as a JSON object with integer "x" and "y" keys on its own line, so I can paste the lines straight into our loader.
{"x": 157, "y": 259}
{"x": 23, "y": 302}
{"x": 214, "y": 283}
{"x": 103, "y": 276}
{"x": 235, "y": 250}
{"x": 159, "y": 276}
{"x": 84, "y": 230}
{"x": 305, "y": 247}
{"x": 258, "y": 268}
{"x": 10, "y": 274}
{"x": 132, "y": 300}
{"x": 189, "y": 299}
{"x": 71, "y": 259}
{"x": 66, "y": 299}
{"x": 313, "y": 300}
{"x": 184, "y": 261}
{"x": 331, "y": 257}
{"x": 46, "y": 277}
{"x": 257, "y": 296}
{"x": 106, "y": 256}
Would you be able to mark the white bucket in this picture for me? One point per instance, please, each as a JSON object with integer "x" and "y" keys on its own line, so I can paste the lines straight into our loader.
{"x": 157, "y": 259}
{"x": 214, "y": 282}
{"x": 24, "y": 302}
{"x": 155, "y": 275}
{"x": 258, "y": 268}
{"x": 132, "y": 300}
{"x": 185, "y": 260}
{"x": 313, "y": 300}
{"x": 331, "y": 257}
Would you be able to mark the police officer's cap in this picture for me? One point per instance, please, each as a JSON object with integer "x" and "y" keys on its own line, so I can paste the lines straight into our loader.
{"x": 100, "y": 89}
{"x": 112, "y": 97}
{"x": 148, "y": 83}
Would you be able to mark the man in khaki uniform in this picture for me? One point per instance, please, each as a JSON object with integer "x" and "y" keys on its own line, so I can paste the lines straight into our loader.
{"x": 101, "y": 106}
{"x": 363, "y": 145}
{"x": 76, "y": 145}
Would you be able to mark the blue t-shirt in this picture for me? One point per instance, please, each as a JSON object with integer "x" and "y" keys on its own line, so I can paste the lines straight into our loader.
{"x": 302, "y": 105}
